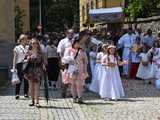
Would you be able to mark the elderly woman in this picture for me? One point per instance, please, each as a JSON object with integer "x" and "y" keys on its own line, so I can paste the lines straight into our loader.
{"x": 77, "y": 70}
{"x": 34, "y": 70}
{"x": 18, "y": 59}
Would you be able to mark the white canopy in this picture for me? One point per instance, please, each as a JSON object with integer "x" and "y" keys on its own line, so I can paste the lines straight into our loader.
{"x": 108, "y": 15}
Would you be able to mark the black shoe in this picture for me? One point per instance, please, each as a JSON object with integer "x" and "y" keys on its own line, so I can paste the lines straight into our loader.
{"x": 54, "y": 85}
{"x": 26, "y": 96}
{"x": 31, "y": 104}
{"x": 149, "y": 82}
{"x": 17, "y": 97}
{"x": 80, "y": 101}
{"x": 69, "y": 95}
{"x": 64, "y": 95}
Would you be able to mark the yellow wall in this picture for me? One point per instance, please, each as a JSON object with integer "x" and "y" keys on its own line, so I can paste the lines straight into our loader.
{"x": 114, "y": 3}
{"x": 109, "y": 3}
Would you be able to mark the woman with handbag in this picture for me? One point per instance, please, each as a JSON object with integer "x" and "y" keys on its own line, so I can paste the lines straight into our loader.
{"x": 144, "y": 69}
{"x": 77, "y": 70}
{"x": 34, "y": 70}
{"x": 18, "y": 61}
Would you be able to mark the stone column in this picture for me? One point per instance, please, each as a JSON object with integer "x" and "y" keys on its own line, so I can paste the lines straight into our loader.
{"x": 25, "y": 6}
{"x": 7, "y": 32}
{"x": 7, "y": 20}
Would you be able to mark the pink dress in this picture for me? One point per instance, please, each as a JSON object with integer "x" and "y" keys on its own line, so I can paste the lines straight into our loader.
{"x": 81, "y": 65}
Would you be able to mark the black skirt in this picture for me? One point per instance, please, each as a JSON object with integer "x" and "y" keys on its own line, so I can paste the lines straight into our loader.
{"x": 53, "y": 69}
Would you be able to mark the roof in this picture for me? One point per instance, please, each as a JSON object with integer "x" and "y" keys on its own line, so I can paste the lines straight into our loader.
{"x": 109, "y": 15}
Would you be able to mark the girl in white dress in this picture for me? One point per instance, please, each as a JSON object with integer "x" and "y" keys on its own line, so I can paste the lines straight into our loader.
{"x": 111, "y": 84}
{"x": 145, "y": 66}
{"x": 94, "y": 87}
{"x": 154, "y": 53}
{"x": 92, "y": 56}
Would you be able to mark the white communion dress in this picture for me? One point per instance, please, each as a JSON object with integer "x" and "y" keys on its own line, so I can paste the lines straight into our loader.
{"x": 94, "y": 87}
{"x": 111, "y": 84}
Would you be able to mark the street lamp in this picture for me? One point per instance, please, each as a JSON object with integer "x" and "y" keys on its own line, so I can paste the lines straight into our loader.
{"x": 40, "y": 12}
{"x": 39, "y": 27}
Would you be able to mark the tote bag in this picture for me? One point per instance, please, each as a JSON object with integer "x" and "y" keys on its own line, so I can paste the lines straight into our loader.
{"x": 15, "y": 79}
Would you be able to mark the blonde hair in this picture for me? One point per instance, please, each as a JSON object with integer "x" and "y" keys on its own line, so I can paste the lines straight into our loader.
{"x": 21, "y": 37}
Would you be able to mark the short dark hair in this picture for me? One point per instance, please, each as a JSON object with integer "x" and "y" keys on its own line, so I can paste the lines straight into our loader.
{"x": 50, "y": 42}
{"x": 130, "y": 29}
{"x": 149, "y": 30}
{"x": 83, "y": 33}
{"x": 76, "y": 40}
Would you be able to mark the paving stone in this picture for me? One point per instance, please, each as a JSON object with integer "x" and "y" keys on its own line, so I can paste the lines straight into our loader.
{"x": 141, "y": 103}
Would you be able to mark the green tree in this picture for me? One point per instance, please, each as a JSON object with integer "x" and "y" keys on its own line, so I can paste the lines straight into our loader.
{"x": 141, "y": 8}
{"x": 19, "y": 14}
{"x": 56, "y": 14}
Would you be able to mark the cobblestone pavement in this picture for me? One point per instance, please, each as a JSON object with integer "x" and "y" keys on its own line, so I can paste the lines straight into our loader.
{"x": 141, "y": 103}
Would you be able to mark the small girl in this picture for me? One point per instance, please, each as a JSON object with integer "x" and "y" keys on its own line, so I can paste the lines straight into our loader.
{"x": 97, "y": 71}
{"x": 92, "y": 56}
{"x": 111, "y": 84}
{"x": 154, "y": 54}
{"x": 145, "y": 66}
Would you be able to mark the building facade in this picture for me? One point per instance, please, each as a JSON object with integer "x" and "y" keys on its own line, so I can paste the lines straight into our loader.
{"x": 25, "y": 7}
{"x": 7, "y": 36}
{"x": 7, "y": 32}
{"x": 86, "y": 5}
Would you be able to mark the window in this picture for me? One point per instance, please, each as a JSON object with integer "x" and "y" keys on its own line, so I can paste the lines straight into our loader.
{"x": 104, "y": 3}
{"x": 83, "y": 13}
{"x": 87, "y": 8}
{"x": 97, "y": 6}
{"x": 92, "y": 5}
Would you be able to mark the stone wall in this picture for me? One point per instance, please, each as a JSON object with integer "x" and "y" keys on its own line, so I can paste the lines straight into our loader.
{"x": 7, "y": 32}
{"x": 148, "y": 23}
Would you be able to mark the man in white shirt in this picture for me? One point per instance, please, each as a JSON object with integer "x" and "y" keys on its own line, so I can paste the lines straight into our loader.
{"x": 149, "y": 39}
{"x": 62, "y": 46}
{"x": 66, "y": 42}
{"x": 126, "y": 42}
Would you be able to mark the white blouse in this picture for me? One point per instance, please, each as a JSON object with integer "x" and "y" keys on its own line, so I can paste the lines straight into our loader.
{"x": 20, "y": 51}
{"x": 63, "y": 45}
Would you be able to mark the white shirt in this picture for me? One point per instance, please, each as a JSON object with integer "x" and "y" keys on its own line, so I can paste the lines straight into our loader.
{"x": 135, "y": 57}
{"x": 141, "y": 36}
{"x": 127, "y": 40}
{"x": 144, "y": 57}
{"x": 43, "y": 48}
{"x": 99, "y": 55}
{"x": 63, "y": 44}
{"x": 149, "y": 40}
{"x": 20, "y": 53}
{"x": 51, "y": 51}
{"x": 93, "y": 55}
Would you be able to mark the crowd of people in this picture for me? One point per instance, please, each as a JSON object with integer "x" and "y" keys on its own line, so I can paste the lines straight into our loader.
{"x": 83, "y": 56}
{"x": 140, "y": 60}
